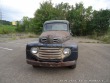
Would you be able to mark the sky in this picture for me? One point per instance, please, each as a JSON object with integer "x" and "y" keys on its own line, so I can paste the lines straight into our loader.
{"x": 13, "y": 10}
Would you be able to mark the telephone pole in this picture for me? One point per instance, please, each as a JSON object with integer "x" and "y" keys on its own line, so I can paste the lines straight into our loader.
{"x": 0, "y": 13}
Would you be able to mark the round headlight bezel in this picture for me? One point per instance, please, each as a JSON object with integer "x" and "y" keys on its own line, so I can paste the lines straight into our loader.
{"x": 34, "y": 50}
{"x": 66, "y": 51}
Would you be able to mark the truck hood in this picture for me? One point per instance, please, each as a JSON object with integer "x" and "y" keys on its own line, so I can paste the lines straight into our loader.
{"x": 51, "y": 37}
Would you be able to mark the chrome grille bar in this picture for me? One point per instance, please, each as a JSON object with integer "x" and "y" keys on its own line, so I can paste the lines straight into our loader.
{"x": 50, "y": 53}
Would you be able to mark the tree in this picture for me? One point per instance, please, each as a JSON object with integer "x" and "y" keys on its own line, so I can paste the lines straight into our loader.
{"x": 23, "y": 25}
{"x": 83, "y": 21}
{"x": 62, "y": 10}
{"x": 100, "y": 22}
{"x": 78, "y": 17}
{"x": 46, "y": 12}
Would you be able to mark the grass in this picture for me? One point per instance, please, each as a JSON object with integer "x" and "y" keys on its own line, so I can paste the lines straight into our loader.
{"x": 16, "y": 36}
{"x": 19, "y": 35}
{"x": 23, "y": 35}
{"x": 6, "y": 29}
{"x": 8, "y": 32}
{"x": 88, "y": 42}
{"x": 105, "y": 39}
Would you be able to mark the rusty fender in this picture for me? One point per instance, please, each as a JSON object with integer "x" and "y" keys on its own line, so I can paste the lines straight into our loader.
{"x": 50, "y": 64}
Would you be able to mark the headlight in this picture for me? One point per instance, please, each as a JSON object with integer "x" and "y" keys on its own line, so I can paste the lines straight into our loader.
{"x": 66, "y": 51}
{"x": 34, "y": 50}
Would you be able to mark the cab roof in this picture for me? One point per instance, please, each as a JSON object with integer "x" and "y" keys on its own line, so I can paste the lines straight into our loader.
{"x": 58, "y": 21}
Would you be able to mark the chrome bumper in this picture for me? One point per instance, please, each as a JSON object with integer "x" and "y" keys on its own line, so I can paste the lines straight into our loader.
{"x": 50, "y": 64}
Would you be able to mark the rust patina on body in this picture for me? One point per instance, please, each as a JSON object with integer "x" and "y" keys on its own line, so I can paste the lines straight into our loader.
{"x": 62, "y": 36}
{"x": 50, "y": 64}
{"x": 55, "y": 47}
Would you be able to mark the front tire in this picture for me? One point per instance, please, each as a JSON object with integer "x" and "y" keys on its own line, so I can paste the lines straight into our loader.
{"x": 34, "y": 66}
{"x": 73, "y": 66}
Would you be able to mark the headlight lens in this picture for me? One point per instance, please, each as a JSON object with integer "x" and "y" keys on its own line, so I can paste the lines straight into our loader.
{"x": 34, "y": 50}
{"x": 66, "y": 51}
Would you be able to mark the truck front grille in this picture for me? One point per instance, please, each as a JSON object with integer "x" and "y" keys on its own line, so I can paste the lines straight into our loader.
{"x": 50, "y": 53}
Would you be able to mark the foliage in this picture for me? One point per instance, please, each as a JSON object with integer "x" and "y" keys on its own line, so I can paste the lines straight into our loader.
{"x": 78, "y": 17}
{"x": 83, "y": 21}
{"x": 100, "y": 22}
{"x": 5, "y": 29}
{"x": 4, "y": 22}
{"x": 106, "y": 37}
{"x": 23, "y": 25}
{"x": 46, "y": 12}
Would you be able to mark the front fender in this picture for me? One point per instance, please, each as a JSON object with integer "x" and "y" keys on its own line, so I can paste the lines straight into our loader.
{"x": 71, "y": 45}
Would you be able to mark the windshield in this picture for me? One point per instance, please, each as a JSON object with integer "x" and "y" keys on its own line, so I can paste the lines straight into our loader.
{"x": 55, "y": 27}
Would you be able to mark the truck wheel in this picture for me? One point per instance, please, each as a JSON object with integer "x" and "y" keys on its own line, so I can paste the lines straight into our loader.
{"x": 34, "y": 66}
{"x": 73, "y": 66}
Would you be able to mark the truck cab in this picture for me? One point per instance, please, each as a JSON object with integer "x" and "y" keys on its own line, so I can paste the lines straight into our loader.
{"x": 55, "y": 47}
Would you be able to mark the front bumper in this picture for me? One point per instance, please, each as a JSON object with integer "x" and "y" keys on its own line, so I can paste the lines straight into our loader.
{"x": 51, "y": 64}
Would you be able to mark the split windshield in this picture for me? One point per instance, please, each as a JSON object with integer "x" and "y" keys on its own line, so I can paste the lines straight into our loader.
{"x": 55, "y": 27}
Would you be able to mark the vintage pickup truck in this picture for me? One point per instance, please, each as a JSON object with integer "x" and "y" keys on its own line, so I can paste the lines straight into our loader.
{"x": 55, "y": 47}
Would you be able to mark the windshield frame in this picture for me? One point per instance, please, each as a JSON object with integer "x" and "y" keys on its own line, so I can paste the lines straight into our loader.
{"x": 56, "y": 23}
